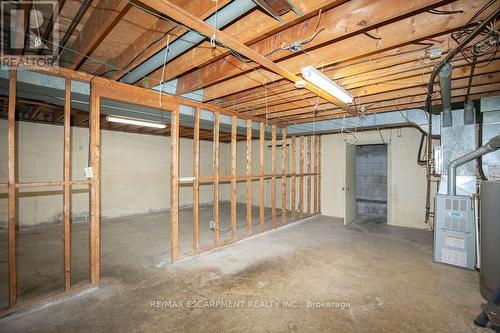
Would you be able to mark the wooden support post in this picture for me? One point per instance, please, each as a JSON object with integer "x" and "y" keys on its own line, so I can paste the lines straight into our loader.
{"x": 67, "y": 186}
{"x": 293, "y": 177}
{"x": 283, "y": 176}
{"x": 262, "y": 191}
{"x": 174, "y": 185}
{"x": 196, "y": 182}
{"x": 216, "y": 178}
{"x": 309, "y": 147}
{"x": 316, "y": 174}
{"x": 301, "y": 177}
{"x": 273, "y": 177}
{"x": 233, "y": 178}
{"x": 95, "y": 142}
{"x": 249, "y": 174}
{"x": 11, "y": 210}
{"x": 319, "y": 176}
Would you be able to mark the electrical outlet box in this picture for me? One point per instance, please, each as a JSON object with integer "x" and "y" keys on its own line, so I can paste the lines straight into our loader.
{"x": 212, "y": 225}
{"x": 89, "y": 173}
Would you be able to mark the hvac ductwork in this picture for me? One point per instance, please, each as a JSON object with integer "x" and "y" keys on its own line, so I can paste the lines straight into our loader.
{"x": 491, "y": 146}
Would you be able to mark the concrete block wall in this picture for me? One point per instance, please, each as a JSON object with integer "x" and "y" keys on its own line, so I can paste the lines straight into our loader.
{"x": 135, "y": 172}
{"x": 371, "y": 179}
{"x": 406, "y": 179}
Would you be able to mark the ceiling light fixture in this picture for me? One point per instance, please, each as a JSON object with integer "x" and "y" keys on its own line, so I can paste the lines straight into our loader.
{"x": 134, "y": 122}
{"x": 311, "y": 74}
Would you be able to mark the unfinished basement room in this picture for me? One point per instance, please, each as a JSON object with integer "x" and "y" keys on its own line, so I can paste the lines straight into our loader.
{"x": 250, "y": 166}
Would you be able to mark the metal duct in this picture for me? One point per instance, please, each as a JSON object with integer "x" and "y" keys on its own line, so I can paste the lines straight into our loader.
{"x": 469, "y": 113}
{"x": 445, "y": 84}
{"x": 491, "y": 146}
{"x": 224, "y": 16}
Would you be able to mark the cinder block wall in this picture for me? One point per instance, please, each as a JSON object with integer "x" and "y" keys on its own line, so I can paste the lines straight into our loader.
{"x": 135, "y": 172}
{"x": 371, "y": 179}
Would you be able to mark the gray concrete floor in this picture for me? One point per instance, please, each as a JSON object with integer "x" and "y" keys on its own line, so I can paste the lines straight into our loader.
{"x": 383, "y": 276}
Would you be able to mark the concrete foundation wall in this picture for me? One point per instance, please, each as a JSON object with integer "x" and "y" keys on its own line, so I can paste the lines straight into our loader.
{"x": 406, "y": 189}
{"x": 135, "y": 172}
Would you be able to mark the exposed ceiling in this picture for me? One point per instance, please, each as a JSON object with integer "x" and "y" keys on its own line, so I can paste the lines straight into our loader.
{"x": 377, "y": 49}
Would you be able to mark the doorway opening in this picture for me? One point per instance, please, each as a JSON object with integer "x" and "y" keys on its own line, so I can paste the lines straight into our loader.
{"x": 371, "y": 183}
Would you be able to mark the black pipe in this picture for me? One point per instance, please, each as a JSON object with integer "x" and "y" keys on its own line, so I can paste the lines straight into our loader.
{"x": 430, "y": 91}
{"x": 421, "y": 161}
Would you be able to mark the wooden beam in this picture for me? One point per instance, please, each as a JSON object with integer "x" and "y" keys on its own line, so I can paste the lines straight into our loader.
{"x": 273, "y": 179}
{"x": 308, "y": 194}
{"x": 301, "y": 177}
{"x": 293, "y": 178}
{"x": 11, "y": 208}
{"x": 67, "y": 186}
{"x": 95, "y": 142}
{"x": 191, "y": 21}
{"x": 174, "y": 185}
{"x": 249, "y": 29}
{"x": 104, "y": 17}
{"x": 249, "y": 174}
{"x": 234, "y": 212}
{"x": 262, "y": 191}
{"x": 196, "y": 182}
{"x": 372, "y": 14}
{"x": 409, "y": 30}
{"x": 284, "y": 180}
{"x": 216, "y": 178}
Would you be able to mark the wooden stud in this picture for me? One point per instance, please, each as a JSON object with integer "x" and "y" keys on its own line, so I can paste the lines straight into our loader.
{"x": 319, "y": 174}
{"x": 293, "y": 177}
{"x": 196, "y": 182}
{"x": 301, "y": 177}
{"x": 233, "y": 178}
{"x": 283, "y": 178}
{"x": 249, "y": 174}
{"x": 309, "y": 147}
{"x": 174, "y": 185}
{"x": 11, "y": 210}
{"x": 315, "y": 208}
{"x": 95, "y": 139}
{"x": 262, "y": 191}
{"x": 216, "y": 178}
{"x": 67, "y": 186}
{"x": 273, "y": 179}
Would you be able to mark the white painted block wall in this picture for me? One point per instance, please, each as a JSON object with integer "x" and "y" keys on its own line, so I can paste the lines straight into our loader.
{"x": 406, "y": 191}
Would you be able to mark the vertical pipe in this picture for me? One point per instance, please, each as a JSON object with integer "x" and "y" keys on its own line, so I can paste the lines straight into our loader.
{"x": 67, "y": 185}
{"x": 216, "y": 178}
{"x": 95, "y": 142}
{"x": 261, "y": 179}
{"x": 249, "y": 174}
{"x": 196, "y": 182}
{"x": 283, "y": 176}
{"x": 11, "y": 210}
{"x": 174, "y": 185}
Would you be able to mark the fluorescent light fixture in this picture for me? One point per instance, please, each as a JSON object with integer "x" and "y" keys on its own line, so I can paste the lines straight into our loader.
{"x": 311, "y": 74}
{"x": 134, "y": 122}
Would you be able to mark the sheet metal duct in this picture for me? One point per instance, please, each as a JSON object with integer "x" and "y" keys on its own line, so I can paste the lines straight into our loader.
{"x": 445, "y": 85}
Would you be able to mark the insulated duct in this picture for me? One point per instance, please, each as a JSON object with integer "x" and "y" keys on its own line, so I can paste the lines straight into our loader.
{"x": 445, "y": 85}
{"x": 223, "y": 17}
{"x": 491, "y": 146}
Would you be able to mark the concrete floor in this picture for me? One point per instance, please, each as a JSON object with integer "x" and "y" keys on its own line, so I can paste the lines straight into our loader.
{"x": 382, "y": 277}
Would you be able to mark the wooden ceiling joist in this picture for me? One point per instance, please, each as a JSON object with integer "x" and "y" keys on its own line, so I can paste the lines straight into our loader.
{"x": 187, "y": 19}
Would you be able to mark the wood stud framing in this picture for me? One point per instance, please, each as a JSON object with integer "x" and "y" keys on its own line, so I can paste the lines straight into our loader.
{"x": 99, "y": 90}
{"x": 301, "y": 177}
{"x": 309, "y": 147}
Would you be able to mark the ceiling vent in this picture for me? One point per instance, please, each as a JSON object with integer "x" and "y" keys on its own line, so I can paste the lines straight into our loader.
{"x": 275, "y": 8}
